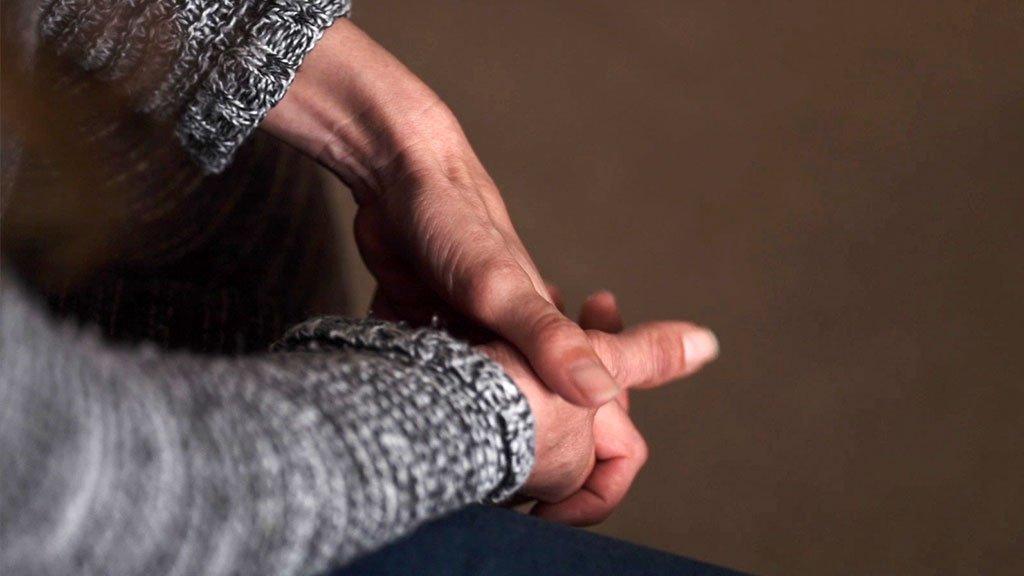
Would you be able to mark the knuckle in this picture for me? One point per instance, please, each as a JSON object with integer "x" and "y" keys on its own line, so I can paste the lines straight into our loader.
{"x": 597, "y": 516}
{"x": 665, "y": 353}
{"x": 554, "y": 329}
{"x": 640, "y": 451}
{"x": 490, "y": 286}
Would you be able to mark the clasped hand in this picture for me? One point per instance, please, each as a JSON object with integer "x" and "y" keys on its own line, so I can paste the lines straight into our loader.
{"x": 433, "y": 229}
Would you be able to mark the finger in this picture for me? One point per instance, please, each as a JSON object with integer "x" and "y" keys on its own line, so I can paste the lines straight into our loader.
{"x": 500, "y": 294}
{"x": 601, "y": 312}
{"x": 556, "y": 296}
{"x": 620, "y": 451}
{"x": 623, "y": 399}
{"x": 558, "y": 349}
{"x": 490, "y": 284}
{"x": 654, "y": 353}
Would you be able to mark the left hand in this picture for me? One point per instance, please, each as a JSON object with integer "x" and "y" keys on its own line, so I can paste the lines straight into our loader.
{"x": 431, "y": 225}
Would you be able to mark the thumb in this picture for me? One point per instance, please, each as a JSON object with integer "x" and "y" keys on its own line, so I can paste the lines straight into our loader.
{"x": 558, "y": 350}
{"x": 506, "y": 301}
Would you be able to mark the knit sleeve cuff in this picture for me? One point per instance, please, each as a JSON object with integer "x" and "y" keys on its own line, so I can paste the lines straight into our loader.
{"x": 252, "y": 76}
{"x": 495, "y": 407}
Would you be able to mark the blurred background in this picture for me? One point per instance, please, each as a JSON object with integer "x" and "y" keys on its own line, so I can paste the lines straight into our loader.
{"x": 837, "y": 190}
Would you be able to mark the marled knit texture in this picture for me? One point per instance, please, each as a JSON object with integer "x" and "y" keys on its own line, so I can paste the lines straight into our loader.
{"x": 215, "y": 67}
{"x": 133, "y": 460}
{"x": 490, "y": 388}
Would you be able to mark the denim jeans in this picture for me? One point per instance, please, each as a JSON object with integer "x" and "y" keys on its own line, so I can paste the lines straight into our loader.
{"x": 486, "y": 541}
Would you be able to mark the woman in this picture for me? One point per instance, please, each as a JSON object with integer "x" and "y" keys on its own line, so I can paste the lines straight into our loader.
{"x": 202, "y": 454}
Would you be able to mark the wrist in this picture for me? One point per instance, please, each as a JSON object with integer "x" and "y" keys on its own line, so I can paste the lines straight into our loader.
{"x": 358, "y": 111}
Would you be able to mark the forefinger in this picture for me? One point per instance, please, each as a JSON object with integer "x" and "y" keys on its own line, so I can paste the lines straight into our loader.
{"x": 654, "y": 353}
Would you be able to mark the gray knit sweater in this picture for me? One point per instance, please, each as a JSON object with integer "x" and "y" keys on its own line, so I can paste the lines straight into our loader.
{"x": 120, "y": 459}
{"x": 134, "y": 461}
{"x": 215, "y": 67}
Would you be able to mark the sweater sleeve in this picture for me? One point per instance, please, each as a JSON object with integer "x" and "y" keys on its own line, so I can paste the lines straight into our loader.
{"x": 123, "y": 461}
{"x": 213, "y": 67}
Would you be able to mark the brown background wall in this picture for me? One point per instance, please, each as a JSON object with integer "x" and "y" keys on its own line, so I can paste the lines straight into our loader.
{"x": 836, "y": 188}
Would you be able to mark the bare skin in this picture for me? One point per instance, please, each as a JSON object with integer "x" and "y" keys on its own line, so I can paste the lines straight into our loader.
{"x": 431, "y": 224}
{"x": 433, "y": 229}
{"x": 587, "y": 459}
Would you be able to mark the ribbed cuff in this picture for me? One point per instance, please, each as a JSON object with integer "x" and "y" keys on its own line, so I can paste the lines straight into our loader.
{"x": 253, "y": 76}
{"x": 497, "y": 406}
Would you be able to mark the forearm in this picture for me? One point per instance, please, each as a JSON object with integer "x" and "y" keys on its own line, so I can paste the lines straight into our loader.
{"x": 126, "y": 461}
{"x": 212, "y": 67}
{"x": 360, "y": 112}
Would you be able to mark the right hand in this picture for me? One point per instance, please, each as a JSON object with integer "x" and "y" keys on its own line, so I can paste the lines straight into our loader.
{"x": 586, "y": 460}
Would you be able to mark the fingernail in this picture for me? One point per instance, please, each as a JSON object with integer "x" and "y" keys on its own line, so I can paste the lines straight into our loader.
{"x": 594, "y": 382}
{"x": 700, "y": 346}
{"x": 603, "y": 292}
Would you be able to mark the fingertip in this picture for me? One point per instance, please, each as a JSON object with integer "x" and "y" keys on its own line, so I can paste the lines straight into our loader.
{"x": 700, "y": 346}
{"x": 603, "y": 296}
{"x": 600, "y": 311}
